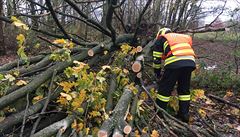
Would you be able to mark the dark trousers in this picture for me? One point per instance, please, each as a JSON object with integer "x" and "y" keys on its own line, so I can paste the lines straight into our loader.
{"x": 181, "y": 76}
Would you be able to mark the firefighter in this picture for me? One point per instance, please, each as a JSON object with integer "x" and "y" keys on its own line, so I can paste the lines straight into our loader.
{"x": 179, "y": 62}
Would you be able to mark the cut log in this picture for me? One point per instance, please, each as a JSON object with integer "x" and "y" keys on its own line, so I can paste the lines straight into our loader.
{"x": 139, "y": 75}
{"x": 118, "y": 114}
{"x": 90, "y": 53}
{"x": 137, "y": 65}
{"x": 124, "y": 127}
{"x": 139, "y": 49}
{"x": 54, "y": 128}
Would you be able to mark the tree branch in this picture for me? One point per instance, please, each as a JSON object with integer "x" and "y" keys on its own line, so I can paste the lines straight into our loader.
{"x": 140, "y": 17}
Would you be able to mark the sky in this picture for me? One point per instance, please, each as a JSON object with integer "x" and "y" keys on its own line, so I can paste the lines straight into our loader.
{"x": 231, "y": 5}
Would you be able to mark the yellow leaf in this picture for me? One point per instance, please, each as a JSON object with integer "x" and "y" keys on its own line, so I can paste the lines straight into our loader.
{"x": 87, "y": 131}
{"x": 69, "y": 45}
{"x": 105, "y": 52}
{"x": 106, "y": 67}
{"x": 134, "y": 51}
{"x": 100, "y": 79}
{"x": 9, "y": 77}
{"x": 77, "y": 126}
{"x": 19, "y": 23}
{"x": 202, "y": 113}
{"x": 197, "y": 94}
{"x": 137, "y": 133}
{"x": 62, "y": 101}
{"x": 16, "y": 73}
{"x": 95, "y": 113}
{"x": 59, "y": 41}
{"x": 67, "y": 86}
{"x": 125, "y": 48}
{"x": 81, "y": 65}
{"x": 20, "y": 38}
{"x": 125, "y": 71}
{"x": 67, "y": 96}
{"x": 235, "y": 111}
{"x": 129, "y": 117}
{"x": 144, "y": 130}
{"x": 155, "y": 133}
{"x": 173, "y": 103}
{"x": 37, "y": 98}
{"x": 81, "y": 110}
{"x": 1, "y": 119}
{"x": 21, "y": 83}
{"x": 74, "y": 94}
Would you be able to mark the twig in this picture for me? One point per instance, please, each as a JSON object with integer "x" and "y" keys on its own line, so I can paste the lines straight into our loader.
{"x": 49, "y": 41}
{"x": 25, "y": 115}
{"x": 140, "y": 17}
{"x": 223, "y": 101}
{"x": 45, "y": 105}
{"x": 162, "y": 122}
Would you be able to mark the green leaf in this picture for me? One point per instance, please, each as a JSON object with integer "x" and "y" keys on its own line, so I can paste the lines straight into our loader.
{"x": 1, "y": 76}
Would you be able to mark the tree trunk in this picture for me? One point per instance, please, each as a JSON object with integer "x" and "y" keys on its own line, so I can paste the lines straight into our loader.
{"x": 2, "y": 45}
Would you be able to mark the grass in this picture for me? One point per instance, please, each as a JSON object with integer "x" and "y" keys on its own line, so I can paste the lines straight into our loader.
{"x": 218, "y": 36}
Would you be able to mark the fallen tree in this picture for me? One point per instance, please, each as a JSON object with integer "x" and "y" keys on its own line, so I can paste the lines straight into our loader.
{"x": 96, "y": 89}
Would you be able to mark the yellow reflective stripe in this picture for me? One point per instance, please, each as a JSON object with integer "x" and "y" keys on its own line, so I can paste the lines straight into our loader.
{"x": 157, "y": 54}
{"x": 180, "y": 45}
{"x": 176, "y": 58}
{"x": 163, "y": 98}
{"x": 165, "y": 45}
{"x": 157, "y": 66}
{"x": 183, "y": 51}
{"x": 184, "y": 97}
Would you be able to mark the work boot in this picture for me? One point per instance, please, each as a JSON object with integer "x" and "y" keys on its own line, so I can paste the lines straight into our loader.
{"x": 183, "y": 117}
{"x": 183, "y": 113}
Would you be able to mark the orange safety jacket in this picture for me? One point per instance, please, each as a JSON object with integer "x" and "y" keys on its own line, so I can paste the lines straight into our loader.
{"x": 180, "y": 45}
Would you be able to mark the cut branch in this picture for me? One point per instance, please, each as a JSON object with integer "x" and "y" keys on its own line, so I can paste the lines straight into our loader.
{"x": 118, "y": 114}
{"x": 54, "y": 128}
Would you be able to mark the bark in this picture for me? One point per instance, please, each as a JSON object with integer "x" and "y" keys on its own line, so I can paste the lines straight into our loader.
{"x": 183, "y": 8}
{"x": 54, "y": 128}
{"x": 111, "y": 90}
{"x": 119, "y": 113}
{"x": 2, "y": 45}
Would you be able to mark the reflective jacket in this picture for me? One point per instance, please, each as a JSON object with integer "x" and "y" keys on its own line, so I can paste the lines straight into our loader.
{"x": 175, "y": 49}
